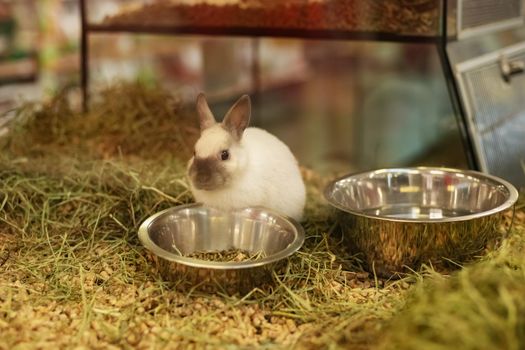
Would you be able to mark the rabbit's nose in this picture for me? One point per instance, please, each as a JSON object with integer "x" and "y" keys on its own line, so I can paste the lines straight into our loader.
{"x": 203, "y": 166}
{"x": 203, "y": 171}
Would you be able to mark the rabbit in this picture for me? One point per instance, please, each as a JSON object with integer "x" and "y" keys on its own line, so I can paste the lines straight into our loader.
{"x": 235, "y": 166}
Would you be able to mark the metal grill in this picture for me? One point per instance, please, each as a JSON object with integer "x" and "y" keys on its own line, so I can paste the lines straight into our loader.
{"x": 475, "y": 14}
{"x": 496, "y": 118}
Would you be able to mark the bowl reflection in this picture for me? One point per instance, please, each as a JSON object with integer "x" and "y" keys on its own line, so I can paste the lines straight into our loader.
{"x": 401, "y": 218}
{"x": 175, "y": 233}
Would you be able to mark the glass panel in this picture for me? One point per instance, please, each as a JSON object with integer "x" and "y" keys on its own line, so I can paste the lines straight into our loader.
{"x": 400, "y": 17}
{"x": 365, "y": 105}
{"x": 18, "y": 39}
{"x": 339, "y": 105}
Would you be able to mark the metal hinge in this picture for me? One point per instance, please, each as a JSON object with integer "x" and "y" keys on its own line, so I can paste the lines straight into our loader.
{"x": 510, "y": 68}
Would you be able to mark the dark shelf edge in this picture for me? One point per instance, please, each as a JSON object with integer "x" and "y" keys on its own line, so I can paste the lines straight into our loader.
{"x": 263, "y": 32}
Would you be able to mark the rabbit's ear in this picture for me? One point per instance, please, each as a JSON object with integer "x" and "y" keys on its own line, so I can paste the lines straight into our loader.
{"x": 206, "y": 118}
{"x": 238, "y": 117}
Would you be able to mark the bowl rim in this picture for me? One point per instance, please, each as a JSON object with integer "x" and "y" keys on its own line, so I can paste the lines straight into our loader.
{"x": 509, "y": 202}
{"x": 146, "y": 241}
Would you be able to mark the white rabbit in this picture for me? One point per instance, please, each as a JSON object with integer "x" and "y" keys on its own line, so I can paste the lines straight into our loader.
{"x": 235, "y": 167}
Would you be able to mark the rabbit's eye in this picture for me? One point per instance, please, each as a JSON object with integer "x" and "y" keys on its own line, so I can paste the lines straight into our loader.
{"x": 225, "y": 155}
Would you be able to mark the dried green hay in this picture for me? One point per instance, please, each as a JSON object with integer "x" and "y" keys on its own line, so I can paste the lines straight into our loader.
{"x": 73, "y": 273}
{"x": 127, "y": 120}
{"x": 479, "y": 307}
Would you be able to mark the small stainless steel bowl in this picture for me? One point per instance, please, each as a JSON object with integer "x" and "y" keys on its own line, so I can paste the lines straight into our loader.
{"x": 173, "y": 233}
{"x": 401, "y": 218}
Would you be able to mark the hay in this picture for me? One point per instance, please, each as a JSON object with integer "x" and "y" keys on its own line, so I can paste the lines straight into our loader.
{"x": 479, "y": 307}
{"x": 127, "y": 120}
{"x": 73, "y": 274}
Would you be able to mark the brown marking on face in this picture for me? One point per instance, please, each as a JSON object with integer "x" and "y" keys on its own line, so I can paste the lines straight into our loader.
{"x": 208, "y": 173}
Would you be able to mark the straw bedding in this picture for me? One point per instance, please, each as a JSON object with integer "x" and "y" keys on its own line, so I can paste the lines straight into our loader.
{"x": 74, "y": 189}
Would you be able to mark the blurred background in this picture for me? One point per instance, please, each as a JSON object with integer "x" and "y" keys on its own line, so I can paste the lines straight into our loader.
{"x": 340, "y": 105}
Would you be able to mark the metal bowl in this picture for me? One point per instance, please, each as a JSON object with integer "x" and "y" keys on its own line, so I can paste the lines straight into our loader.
{"x": 179, "y": 231}
{"x": 401, "y": 218}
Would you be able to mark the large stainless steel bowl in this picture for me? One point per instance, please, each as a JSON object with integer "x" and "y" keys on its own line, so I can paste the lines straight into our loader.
{"x": 401, "y": 218}
{"x": 179, "y": 231}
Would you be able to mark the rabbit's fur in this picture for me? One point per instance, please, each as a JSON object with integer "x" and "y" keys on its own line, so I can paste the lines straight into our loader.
{"x": 235, "y": 167}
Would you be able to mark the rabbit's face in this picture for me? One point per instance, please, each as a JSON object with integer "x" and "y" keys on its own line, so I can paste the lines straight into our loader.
{"x": 219, "y": 155}
{"x": 216, "y": 161}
